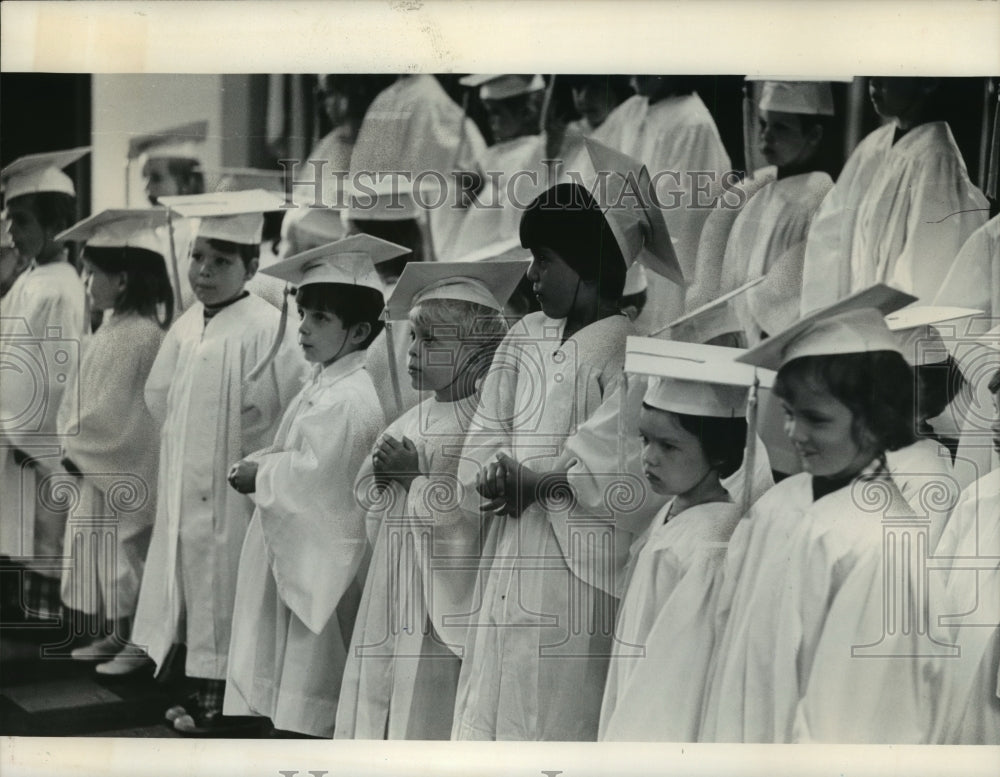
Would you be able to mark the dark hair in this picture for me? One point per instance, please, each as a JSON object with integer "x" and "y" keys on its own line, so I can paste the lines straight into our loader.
{"x": 186, "y": 171}
{"x": 147, "y": 285}
{"x": 246, "y": 252}
{"x": 877, "y": 387}
{"x": 351, "y": 304}
{"x": 55, "y": 211}
{"x": 936, "y": 386}
{"x": 994, "y": 384}
{"x": 637, "y": 300}
{"x": 404, "y": 232}
{"x": 723, "y": 440}
{"x": 567, "y": 220}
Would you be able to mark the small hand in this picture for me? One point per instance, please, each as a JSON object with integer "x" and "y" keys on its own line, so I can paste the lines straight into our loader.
{"x": 396, "y": 460}
{"x": 509, "y": 487}
{"x": 243, "y": 476}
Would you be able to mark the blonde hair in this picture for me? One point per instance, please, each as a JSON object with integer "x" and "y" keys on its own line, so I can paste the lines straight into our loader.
{"x": 480, "y": 327}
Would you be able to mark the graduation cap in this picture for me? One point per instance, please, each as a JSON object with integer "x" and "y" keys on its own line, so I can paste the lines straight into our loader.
{"x": 390, "y": 200}
{"x": 501, "y": 87}
{"x": 814, "y": 98}
{"x": 314, "y": 226}
{"x": 238, "y": 179}
{"x": 508, "y": 249}
{"x": 710, "y": 320}
{"x": 632, "y": 213}
{"x": 853, "y": 325}
{"x": 233, "y": 216}
{"x": 350, "y": 261}
{"x": 703, "y": 380}
{"x": 37, "y": 173}
{"x": 177, "y": 142}
{"x": 916, "y": 333}
{"x": 489, "y": 284}
{"x": 119, "y": 228}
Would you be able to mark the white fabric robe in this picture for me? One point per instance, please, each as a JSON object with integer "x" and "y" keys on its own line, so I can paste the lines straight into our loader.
{"x": 297, "y": 593}
{"x": 769, "y": 238}
{"x": 974, "y": 278}
{"x": 43, "y": 325}
{"x": 665, "y": 629}
{"x": 114, "y": 441}
{"x": 515, "y": 175}
{"x": 402, "y": 669}
{"x": 968, "y": 701}
{"x": 413, "y": 127}
{"x": 211, "y": 417}
{"x": 537, "y": 651}
{"x": 898, "y": 214}
{"x": 675, "y": 138}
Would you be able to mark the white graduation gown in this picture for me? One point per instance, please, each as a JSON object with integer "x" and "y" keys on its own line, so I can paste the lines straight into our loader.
{"x": 515, "y": 175}
{"x": 113, "y": 440}
{"x": 675, "y": 138}
{"x": 413, "y": 127}
{"x": 769, "y": 238}
{"x": 974, "y": 278}
{"x": 297, "y": 593}
{"x": 898, "y": 214}
{"x": 967, "y": 704}
{"x": 537, "y": 650}
{"x": 402, "y": 669}
{"x": 211, "y": 417}
{"x": 665, "y": 629}
{"x": 43, "y": 324}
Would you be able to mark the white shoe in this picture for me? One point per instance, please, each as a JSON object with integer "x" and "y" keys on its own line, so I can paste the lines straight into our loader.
{"x": 101, "y": 650}
{"x": 132, "y": 659}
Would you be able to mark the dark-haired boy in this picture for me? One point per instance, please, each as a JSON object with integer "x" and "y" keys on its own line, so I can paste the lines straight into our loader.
{"x": 212, "y": 414}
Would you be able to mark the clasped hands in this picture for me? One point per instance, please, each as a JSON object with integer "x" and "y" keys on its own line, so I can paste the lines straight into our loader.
{"x": 396, "y": 460}
{"x": 508, "y": 486}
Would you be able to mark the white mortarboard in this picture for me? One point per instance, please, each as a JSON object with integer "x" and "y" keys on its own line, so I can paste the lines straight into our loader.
{"x": 710, "y": 320}
{"x": 498, "y": 251}
{"x": 489, "y": 284}
{"x": 916, "y": 335}
{"x": 119, "y": 228}
{"x": 853, "y": 325}
{"x": 233, "y": 216}
{"x": 635, "y": 280}
{"x": 239, "y": 179}
{"x": 500, "y": 87}
{"x": 36, "y": 173}
{"x": 316, "y": 225}
{"x": 632, "y": 213}
{"x": 814, "y": 98}
{"x": 694, "y": 379}
{"x": 350, "y": 261}
{"x": 390, "y": 199}
{"x": 174, "y": 142}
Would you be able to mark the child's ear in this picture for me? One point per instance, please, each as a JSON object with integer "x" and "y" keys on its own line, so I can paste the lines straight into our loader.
{"x": 360, "y": 332}
{"x": 252, "y": 266}
{"x": 122, "y": 281}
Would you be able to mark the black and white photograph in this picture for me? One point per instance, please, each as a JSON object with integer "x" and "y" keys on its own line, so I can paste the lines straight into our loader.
{"x": 407, "y": 403}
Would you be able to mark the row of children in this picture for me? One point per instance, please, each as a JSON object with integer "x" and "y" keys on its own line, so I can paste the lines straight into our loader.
{"x": 472, "y": 624}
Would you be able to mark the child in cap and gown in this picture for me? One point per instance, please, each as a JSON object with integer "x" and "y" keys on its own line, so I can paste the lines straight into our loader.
{"x": 408, "y": 644}
{"x": 768, "y": 236}
{"x": 213, "y": 411}
{"x": 902, "y": 207}
{"x": 302, "y": 561}
{"x": 44, "y": 321}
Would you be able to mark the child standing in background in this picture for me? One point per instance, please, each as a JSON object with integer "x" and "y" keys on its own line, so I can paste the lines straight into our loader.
{"x": 211, "y": 414}
{"x": 111, "y": 441}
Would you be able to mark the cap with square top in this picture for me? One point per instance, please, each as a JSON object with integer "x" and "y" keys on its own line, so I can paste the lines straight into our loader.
{"x": 233, "y": 216}
{"x": 853, "y": 325}
{"x": 917, "y": 335}
{"x": 390, "y": 199}
{"x": 240, "y": 179}
{"x": 489, "y": 284}
{"x": 349, "y": 261}
{"x": 712, "y": 319}
{"x": 119, "y": 228}
{"x": 814, "y": 98}
{"x": 498, "y": 251}
{"x": 37, "y": 173}
{"x": 501, "y": 87}
{"x": 179, "y": 142}
{"x": 632, "y": 213}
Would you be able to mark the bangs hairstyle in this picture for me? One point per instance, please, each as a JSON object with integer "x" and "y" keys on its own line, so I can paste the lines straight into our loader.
{"x": 567, "y": 220}
{"x": 147, "y": 285}
{"x": 55, "y": 211}
{"x": 723, "y": 440}
{"x": 480, "y": 327}
{"x": 247, "y": 252}
{"x": 877, "y": 387}
{"x": 351, "y": 304}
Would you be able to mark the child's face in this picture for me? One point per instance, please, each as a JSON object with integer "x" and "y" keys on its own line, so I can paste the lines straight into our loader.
{"x": 672, "y": 458}
{"x": 323, "y": 336}
{"x": 819, "y": 427}
{"x": 159, "y": 181}
{"x": 894, "y": 97}
{"x": 593, "y": 102}
{"x": 103, "y": 288}
{"x": 509, "y": 118}
{"x": 782, "y": 140}
{"x": 29, "y": 236}
{"x": 554, "y": 283}
{"x": 217, "y": 276}
{"x": 433, "y": 358}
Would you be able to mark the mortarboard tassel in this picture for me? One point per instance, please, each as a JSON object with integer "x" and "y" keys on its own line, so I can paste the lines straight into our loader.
{"x": 750, "y": 457}
{"x": 179, "y": 302}
{"x": 273, "y": 351}
{"x": 390, "y": 350}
